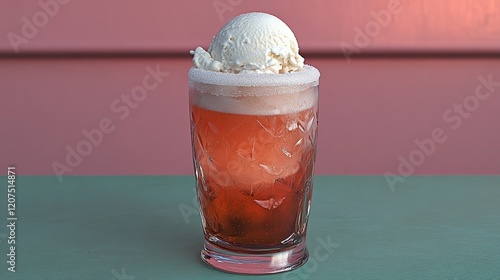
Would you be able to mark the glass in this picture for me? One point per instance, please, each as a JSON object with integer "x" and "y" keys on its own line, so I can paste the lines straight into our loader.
{"x": 254, "y": 145}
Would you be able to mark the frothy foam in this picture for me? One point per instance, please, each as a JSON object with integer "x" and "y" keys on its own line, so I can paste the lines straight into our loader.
{"x": 254, "y": 94}
{"x": 257, "y": 105}
{"x": 308, "y": 75}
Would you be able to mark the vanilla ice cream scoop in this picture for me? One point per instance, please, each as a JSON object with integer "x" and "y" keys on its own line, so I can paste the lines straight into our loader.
{"x": 253, "y": 42}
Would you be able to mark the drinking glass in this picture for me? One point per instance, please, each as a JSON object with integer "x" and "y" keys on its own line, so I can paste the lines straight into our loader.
{"x": 254, "y": 145}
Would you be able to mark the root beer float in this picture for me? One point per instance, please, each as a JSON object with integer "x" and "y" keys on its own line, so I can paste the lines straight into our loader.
{"x": 254, "y": 113}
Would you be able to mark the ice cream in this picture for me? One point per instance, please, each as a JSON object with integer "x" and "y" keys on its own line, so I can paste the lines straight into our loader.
{"x": 253, "y": 42}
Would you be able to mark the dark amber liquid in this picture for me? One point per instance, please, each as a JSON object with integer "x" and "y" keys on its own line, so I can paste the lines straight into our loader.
{"x": 254, "y": 175}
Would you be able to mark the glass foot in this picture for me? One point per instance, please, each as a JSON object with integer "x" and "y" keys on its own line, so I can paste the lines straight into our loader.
{"x": 254, "y": 263}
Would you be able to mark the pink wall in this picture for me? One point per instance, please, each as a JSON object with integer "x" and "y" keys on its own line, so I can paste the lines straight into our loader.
{"x": 372, "y": 109}
{"x": 320, "y": 25}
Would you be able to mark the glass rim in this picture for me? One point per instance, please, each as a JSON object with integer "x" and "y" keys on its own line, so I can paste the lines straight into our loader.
{"x": 309, "y": 74}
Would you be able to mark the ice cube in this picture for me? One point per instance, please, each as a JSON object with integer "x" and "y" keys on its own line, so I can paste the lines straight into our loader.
{"x": 270, "y": 203}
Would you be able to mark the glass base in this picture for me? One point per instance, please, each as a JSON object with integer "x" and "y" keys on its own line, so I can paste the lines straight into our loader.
{"x": 254, "y": 263}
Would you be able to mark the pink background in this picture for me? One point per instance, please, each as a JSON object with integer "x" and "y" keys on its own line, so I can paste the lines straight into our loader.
{"x": 373, "y": 108}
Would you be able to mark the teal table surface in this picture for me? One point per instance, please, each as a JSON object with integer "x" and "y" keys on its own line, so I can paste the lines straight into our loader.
{"x": 147, "y": 227}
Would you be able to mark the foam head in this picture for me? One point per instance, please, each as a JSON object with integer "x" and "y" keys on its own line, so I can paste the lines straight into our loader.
{"x": 254, "y": 94}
